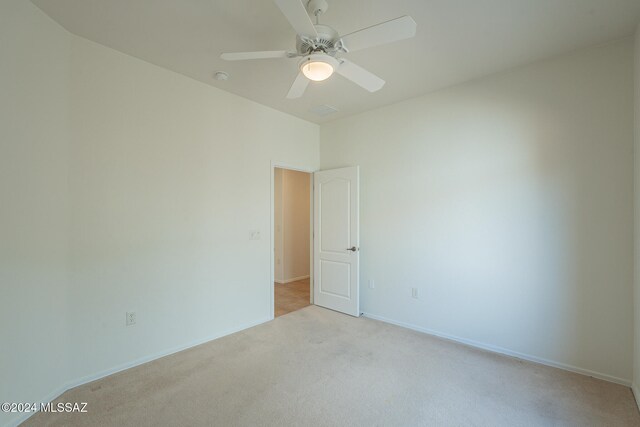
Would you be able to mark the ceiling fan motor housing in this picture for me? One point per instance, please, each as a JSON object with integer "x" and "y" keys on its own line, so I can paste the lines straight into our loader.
{"x": 326, "y": 41}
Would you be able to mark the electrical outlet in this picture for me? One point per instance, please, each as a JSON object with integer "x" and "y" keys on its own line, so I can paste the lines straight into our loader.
{"x": 414, "y": 293}
{"x": 131, "y": 318}
{"x": 254, "y": 235}
{"x": 372, "y": 284}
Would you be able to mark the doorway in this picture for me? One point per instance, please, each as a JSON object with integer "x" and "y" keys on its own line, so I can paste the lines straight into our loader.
{"x": 292, "y": 192}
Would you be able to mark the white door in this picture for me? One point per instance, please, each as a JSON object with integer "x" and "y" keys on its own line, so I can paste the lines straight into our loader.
{"x": 336, "y": 232}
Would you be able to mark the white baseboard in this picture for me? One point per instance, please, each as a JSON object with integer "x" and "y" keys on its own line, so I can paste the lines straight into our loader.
{"x": 295, "y": 279}
{"x": 504, "y": 351}
{"x": 93, "y": 377}
{"x": 636, "y": 393}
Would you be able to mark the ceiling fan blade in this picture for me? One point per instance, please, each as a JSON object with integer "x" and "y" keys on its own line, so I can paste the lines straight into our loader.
{"x": 297, "y": 15}
{"x": 267, "y": 54}
{"x": 360, "y": 76}
{"x": 298, "y": 87}
{"x": 386, "y": 32}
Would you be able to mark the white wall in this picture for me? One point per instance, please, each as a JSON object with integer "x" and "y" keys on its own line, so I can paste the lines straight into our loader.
{"x": 636, "y": 296}
{"x": 296, "y": 219}
{"x": 169, "y": 176}
{"x": 34, "y": 199}
{"x": 125, "y": 187}
{"x": 508, "y": 203}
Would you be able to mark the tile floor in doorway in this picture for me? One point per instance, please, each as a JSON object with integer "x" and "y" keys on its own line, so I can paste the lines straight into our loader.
{"x": 291, "y": 296}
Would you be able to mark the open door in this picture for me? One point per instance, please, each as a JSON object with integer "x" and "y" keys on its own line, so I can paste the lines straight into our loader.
{"x": 336, "y": 229}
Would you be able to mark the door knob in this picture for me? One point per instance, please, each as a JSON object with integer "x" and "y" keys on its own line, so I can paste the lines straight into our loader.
{"x": 352, "y": 249}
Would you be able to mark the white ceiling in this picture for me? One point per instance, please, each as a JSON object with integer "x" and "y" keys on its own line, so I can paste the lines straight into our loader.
{"x": 457, "y": 40}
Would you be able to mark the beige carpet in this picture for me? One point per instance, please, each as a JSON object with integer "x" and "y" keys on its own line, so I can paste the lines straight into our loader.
{"x": 317, "y": 367}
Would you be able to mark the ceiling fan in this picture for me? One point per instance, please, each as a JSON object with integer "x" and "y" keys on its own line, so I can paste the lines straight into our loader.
{"x": 320, "y": 46}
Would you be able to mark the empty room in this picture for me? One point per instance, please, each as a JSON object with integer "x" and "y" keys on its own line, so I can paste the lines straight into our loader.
{"x": 319, "y": 213}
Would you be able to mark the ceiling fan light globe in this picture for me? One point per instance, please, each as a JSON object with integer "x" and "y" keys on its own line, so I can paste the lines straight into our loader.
{"x": 317, "y": 70}
{"x": 318, "y": 66}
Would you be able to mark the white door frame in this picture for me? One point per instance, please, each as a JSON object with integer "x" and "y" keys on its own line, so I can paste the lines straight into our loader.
{"x": 299, "y": 168}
